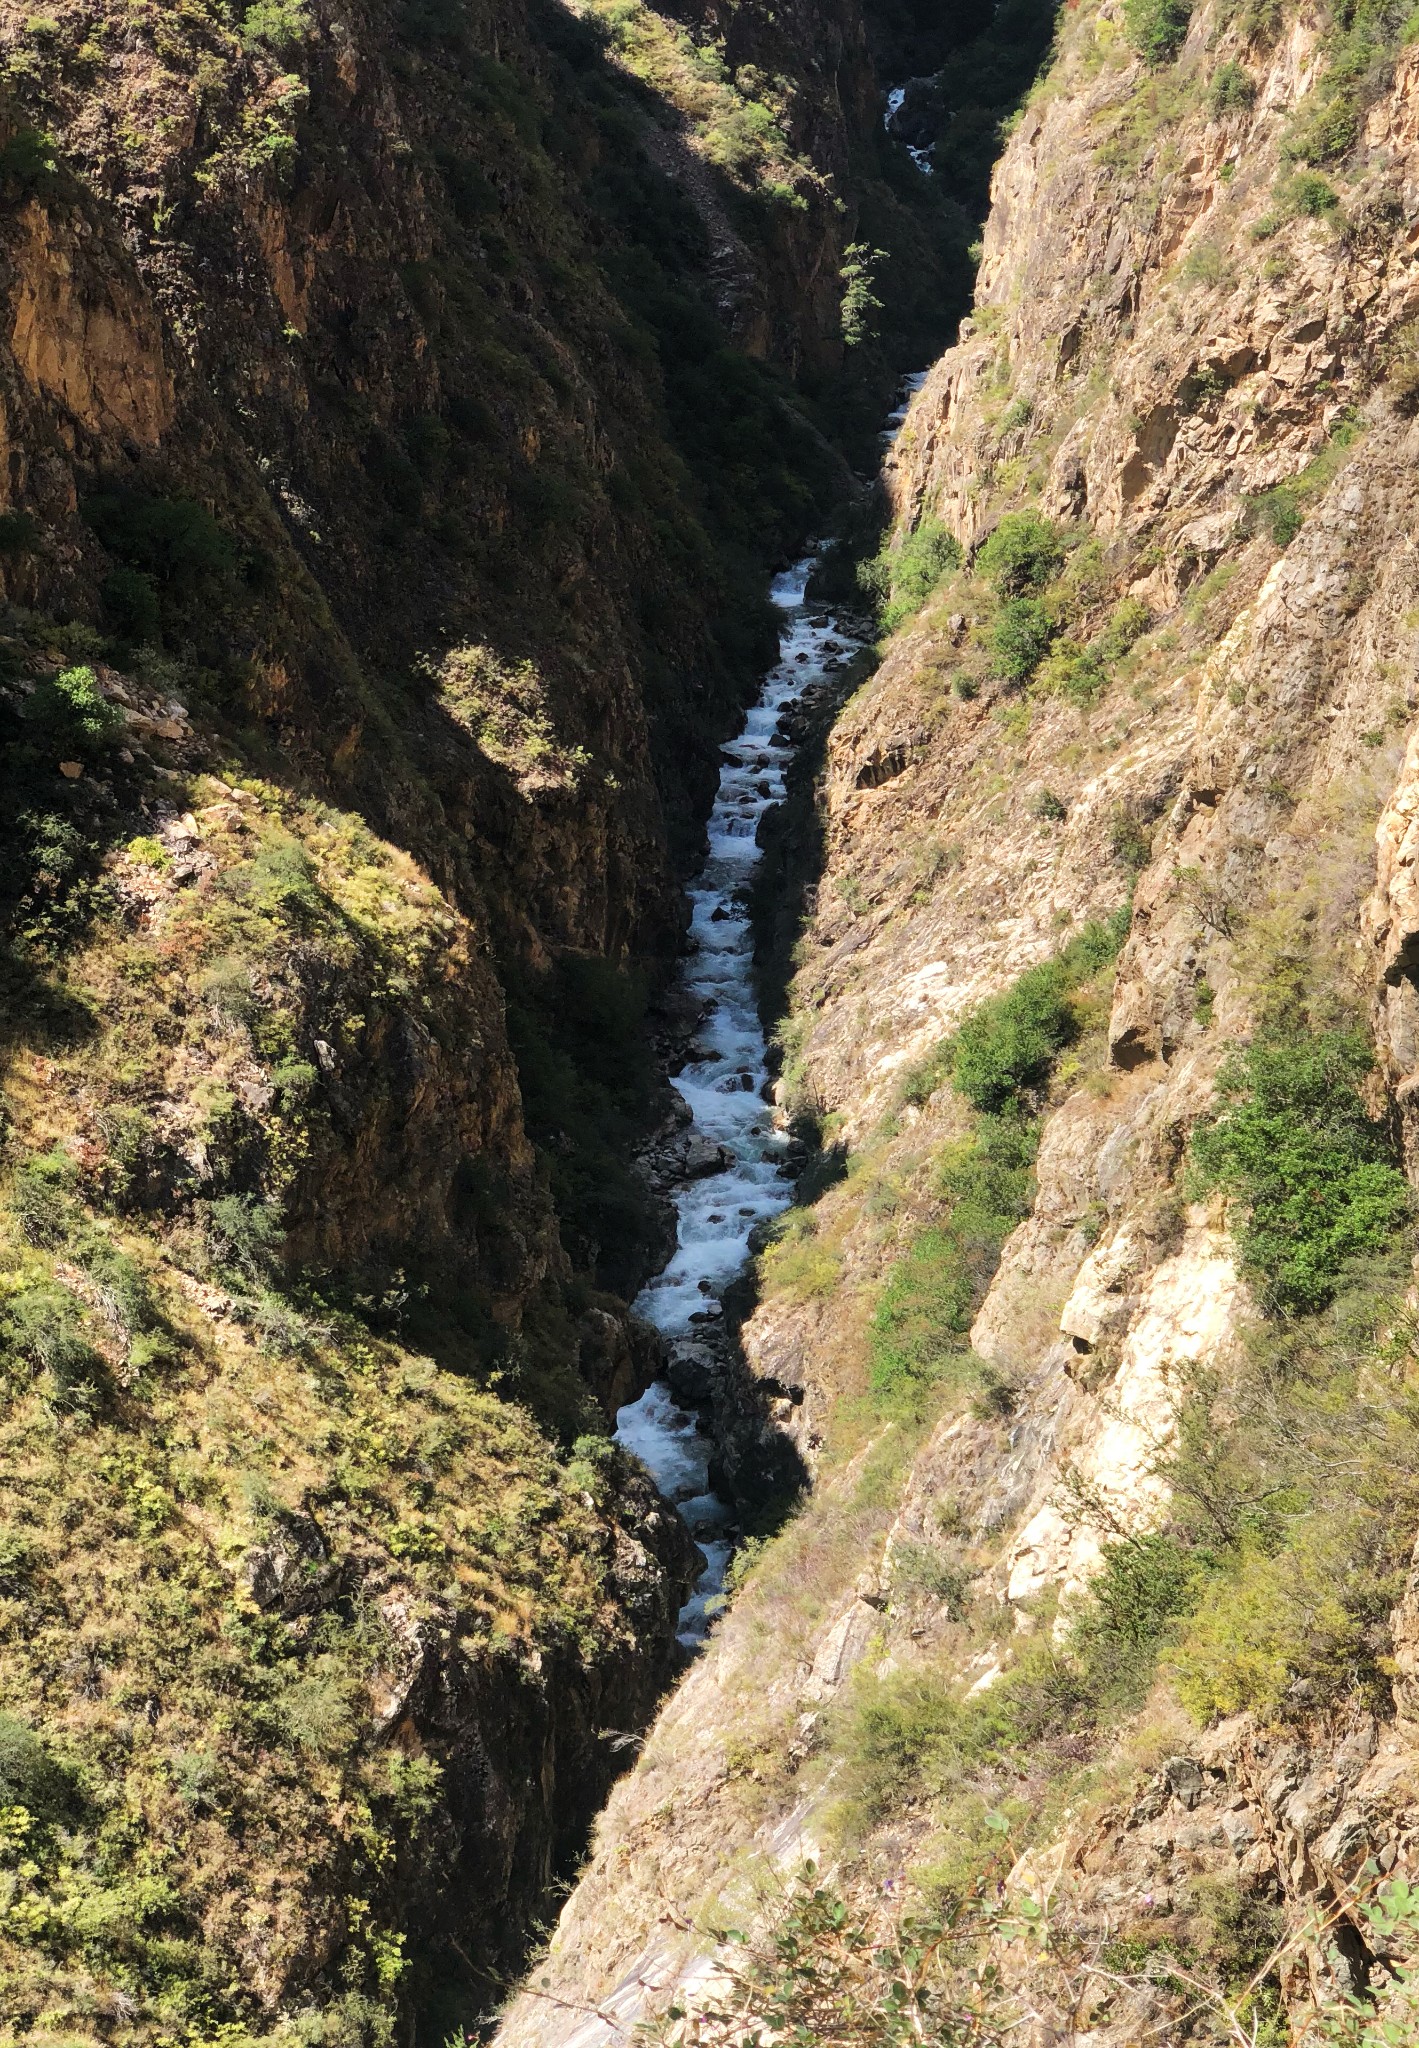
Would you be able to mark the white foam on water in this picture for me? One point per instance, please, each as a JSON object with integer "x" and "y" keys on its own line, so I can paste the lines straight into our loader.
{"x": 726, "y": 1084}
{"x": 896, "y": 98}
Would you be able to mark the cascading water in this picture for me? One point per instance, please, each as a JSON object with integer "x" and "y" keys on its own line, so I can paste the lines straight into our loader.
{"x": 725, "y": 1082}
{"x": 896, "y": 99}
{"x": 724, "y": 1086}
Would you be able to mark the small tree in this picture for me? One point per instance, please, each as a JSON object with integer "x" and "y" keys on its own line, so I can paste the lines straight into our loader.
{"x": 860, "y": 302}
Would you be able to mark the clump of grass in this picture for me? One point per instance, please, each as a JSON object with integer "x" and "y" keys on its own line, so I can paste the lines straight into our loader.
{"x": 1281, "y": 511}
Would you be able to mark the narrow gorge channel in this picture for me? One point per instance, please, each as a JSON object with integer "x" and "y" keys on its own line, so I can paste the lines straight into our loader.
{"x": 961, "y": 1583}
{"x": 740, "y": 1142}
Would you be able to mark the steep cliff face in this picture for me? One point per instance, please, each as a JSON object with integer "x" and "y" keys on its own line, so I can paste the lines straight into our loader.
{"x": 1129, "y": 792}
{"x": 402, "y": 408}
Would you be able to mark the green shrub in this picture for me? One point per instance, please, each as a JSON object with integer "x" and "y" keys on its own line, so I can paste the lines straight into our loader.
{"x": 1232, "y": 89}
{"x": 70, "y": 714}
{"x": 1360, "y": 49}
{"x": 1157, "y": 28}
{"x": 29, "y": 162}
{"x": 860, "y": 303}
{"x": 1297, "y": 1626}
{"x": 1279, "y": 512}
{"x": 1072, "y": 672}
{"x": 280, "y": 880}
{"x": 1144, "y": 1584}
{"x": 45, "y": 1325}
{"x": 1023, "y": 553}
{"x": 903, "y": 578}
{"x": 277, "y": 25}
{"x": 1309, "y": 194}
{"x": 1020, "y": 636}
{"x": 19, "y": 533}
{"x": 245, "y": 1235}
{"x": 1314, "y": 1172}
{"x": 1011, "y": 1043}
{"x": 1129, "y": 620}
{"x": 131, "y": 606}
{"x": 174, "y": 541}
{"x": 1130, "y": 841}
{"x": 41, "y": 1198}
{"x": 923, "y": 1316}
{"x": 29, "y": 1775}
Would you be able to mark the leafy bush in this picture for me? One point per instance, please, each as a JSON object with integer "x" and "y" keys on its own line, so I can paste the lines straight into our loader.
{"x": 1020, "y": 636}
{"x": 1279, "y": 511}
{"x": 1309, "y": 194}
{"x": 41, "y": 1197}
{"x": 29, "y": 1775}
{"x": 174, "y": 541}
{"x": 1010, "y": 1043}
{"x": 277, "y": 25}
{"x": 1361, "y": 47}
{"x": 19, "y": 533}
{"x": 131, "y": 606}
{"x": 1314, "y": 1171}
{"x": 1403, "y": 387}
{"x": 1130, "y": 618}
{"x": 1157, "y": 28}
{"x": 29, "y": 162}
{"x": 1023, "y": 553}
{"x": 584, "y": 1063}
{"x": 915, "y": 569}
{"x": 1072, "y": 672}
{"x": 1130, "y": 841}
{"x": 45, "y": 1325}
{"x": 924, "y": 1313}
{"x": 70, "y": 714}
{"x": 1291, "y": 1619}
{"x": 245, "y": 1235}
{"x": 1232, "y": 89}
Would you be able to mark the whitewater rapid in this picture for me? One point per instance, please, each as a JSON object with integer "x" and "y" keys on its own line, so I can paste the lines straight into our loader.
{"x": 726, "y": 1083}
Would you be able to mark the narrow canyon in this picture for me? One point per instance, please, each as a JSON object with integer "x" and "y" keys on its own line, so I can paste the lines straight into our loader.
{"x": 710, "y": 1039}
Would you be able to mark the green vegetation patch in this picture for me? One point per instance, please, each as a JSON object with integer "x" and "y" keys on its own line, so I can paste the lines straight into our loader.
{"x": 1361, "y": 46}
{"x": 901, "y": 579}
{"x": 1157, "y": 29}
{"x": 998, "y": 1060}
{"x": 1007, "y": 1047}
{"x": 921, "y": 1324}
{"x": 1314, "y": 1173}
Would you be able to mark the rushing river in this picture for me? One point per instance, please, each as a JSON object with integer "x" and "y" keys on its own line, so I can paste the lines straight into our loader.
{"x": 725, "y": 1084}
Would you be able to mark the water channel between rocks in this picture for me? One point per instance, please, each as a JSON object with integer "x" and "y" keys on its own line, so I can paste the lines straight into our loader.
{"x": 725, "y": 1081}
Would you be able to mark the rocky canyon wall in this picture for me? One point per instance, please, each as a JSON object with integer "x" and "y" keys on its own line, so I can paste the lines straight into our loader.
{"x": 1140, "y": 743}
{"x": 403, "y": 408}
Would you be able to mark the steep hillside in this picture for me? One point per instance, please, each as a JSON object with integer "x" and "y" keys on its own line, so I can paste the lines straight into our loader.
{"x": 1083, "y": 1684}
{"x": 403, "y": 408}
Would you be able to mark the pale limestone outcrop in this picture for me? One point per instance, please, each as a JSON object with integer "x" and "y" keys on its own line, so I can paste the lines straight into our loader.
{"x": 1186, "y": 1310}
